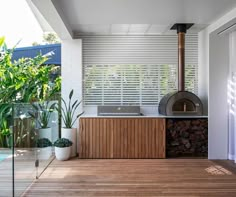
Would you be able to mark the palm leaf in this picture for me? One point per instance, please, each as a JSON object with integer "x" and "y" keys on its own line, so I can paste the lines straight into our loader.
{"x": 74, "y": 104}
{"x": 77, "y": 117}
{"x": 70, "y": 97}
{"x": 71, "y": 94}
{"x": 64, "y": 102}
{"x": 73, "y": 112}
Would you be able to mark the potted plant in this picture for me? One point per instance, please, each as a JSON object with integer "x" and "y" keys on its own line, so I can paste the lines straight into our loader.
{"x": 42, "y": 117}
{"x": 62, "y": 148}
{"x": 44, "y": 150}
{"x": 69, "y": 118}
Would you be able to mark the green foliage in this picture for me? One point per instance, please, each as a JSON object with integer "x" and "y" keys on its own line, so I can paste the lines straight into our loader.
{"x": 68, "y": 111}
{"x": 27, "y": 79}
{"x": 35, "y": 44}
{"x": 56, "y": 88}
{"x": 43, "y": 113}
{"x": 62, "y": 142}
{"x": 5, "y": 115}
{"x": 43, "y": 143}
{"x": 23, "y": 81}
{"x": 50, "y": 38}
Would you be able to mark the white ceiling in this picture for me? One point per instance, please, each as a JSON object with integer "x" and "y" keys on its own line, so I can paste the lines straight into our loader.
{"x": 139, "y": 16}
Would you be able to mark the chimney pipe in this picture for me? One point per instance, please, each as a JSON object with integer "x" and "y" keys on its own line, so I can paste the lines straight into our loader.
{"x": 181, "y": 30}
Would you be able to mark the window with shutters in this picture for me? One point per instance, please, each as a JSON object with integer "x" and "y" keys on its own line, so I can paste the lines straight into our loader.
{"x": 110, "y": 77}
{"x": 133, "y": 84}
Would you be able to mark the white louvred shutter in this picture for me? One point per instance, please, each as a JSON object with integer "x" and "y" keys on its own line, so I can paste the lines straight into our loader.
{"x": 135, "y": 70}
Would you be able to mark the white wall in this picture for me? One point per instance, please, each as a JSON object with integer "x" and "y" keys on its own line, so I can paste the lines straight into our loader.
{"x": 213, "y": 77}
{"x": 218, "y": 106}
{"x": 72, "y": 70}
{"x": 204, "y": 47}
{"x": 231, "y": 98}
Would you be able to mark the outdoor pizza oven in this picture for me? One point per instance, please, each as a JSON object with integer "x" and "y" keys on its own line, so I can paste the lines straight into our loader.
{"x": 181, "y": 102}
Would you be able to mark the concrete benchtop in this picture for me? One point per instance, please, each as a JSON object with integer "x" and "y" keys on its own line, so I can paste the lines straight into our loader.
{"x": 144, "y": 116}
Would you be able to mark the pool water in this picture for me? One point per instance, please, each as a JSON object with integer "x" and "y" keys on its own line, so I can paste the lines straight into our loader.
{"x": 3, "y": 156}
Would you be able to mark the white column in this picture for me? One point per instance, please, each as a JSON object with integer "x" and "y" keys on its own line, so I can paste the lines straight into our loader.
{"x": 72, "y": 74}
{"x": 72, "y": 69}
{"x": 203, "y": 68}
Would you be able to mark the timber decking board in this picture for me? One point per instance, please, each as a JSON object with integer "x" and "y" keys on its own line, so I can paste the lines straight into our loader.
{"x": 122, "y": 138}
{"x": 134, "y": 177}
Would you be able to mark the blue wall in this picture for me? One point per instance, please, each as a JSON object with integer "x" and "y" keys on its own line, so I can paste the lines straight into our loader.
{"x": 33, "y": 51}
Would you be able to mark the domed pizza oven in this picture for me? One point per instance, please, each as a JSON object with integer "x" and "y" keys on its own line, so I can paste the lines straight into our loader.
{"x": 181, "y": 102}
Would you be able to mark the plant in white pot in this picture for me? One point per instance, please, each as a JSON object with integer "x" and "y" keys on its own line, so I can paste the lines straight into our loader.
{"x": 62, "y": 149}
{"x": 42, "y": 116}
{"x": 44, "y": 148}
{"x": 69, "y": 118}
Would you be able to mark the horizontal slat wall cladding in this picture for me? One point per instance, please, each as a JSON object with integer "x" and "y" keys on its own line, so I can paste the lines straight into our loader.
{"x": 133, "y": 84}
{"x": 159, "y": 49}
{"x": 136, "y": 70}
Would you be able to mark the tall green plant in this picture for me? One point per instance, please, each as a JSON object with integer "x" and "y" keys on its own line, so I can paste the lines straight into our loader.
{"x": 68, "y": 111}
{"x": 43, "y": 113}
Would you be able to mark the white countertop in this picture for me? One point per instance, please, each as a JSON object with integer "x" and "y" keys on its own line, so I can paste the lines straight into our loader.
{"x": 144, "y": 116}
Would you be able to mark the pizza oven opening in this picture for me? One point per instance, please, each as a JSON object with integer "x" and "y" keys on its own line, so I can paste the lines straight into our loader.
{"x": 183, "y": 105}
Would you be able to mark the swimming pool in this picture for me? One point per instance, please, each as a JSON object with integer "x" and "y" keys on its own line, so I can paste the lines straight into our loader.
{"x": 3, "y": 156}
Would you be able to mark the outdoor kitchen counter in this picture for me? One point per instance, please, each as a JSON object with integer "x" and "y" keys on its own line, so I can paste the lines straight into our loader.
{"x": 142, "y": 116}
{"x": 123, "y": 137}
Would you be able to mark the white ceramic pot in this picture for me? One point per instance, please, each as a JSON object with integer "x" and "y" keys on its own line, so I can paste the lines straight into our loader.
{"x": 44, "y": 153}
{"x": 45, "y": 133}
{"x": 62, "y": 154}
{"x": 70, "y": 134}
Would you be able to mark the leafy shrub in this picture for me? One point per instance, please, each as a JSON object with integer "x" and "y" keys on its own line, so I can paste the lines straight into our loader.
{"x": 62, "y": 142}
{"x": 43, "y": 142}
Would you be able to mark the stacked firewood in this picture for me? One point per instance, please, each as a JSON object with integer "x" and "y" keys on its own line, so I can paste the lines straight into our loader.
{"x": 187, "y": 137}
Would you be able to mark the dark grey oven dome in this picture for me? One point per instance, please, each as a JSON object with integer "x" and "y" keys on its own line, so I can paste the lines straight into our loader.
{"x": 180, "y": 103}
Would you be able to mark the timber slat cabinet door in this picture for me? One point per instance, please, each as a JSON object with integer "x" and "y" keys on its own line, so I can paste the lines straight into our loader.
{"x": 122, "y": 138}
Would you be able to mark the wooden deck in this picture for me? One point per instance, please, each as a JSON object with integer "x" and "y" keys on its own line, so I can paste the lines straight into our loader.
{"x": 162, "y": 178}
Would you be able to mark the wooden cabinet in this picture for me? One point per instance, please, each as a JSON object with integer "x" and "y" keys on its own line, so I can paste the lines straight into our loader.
{"x": 122, "y": 138}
